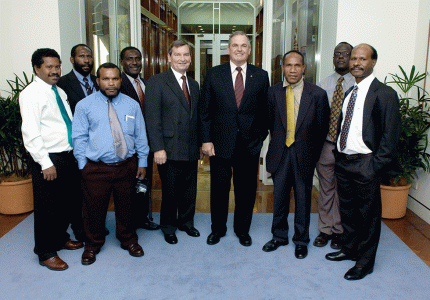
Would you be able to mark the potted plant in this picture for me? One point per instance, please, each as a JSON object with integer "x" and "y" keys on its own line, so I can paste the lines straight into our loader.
{"x": 412, "y": 155}
{"x": 16, "y": 192}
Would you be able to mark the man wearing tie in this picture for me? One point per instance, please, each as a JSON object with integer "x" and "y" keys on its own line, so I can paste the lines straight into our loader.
{"x": 335, "y": 85}
{"x": 133, "y": 86}
{"x": 299, "y": 114}
{"x": 47, "y": 134}
{"x": 171, "y": 117}
{"x": 233, "y": 124}
{"x": 79, "y": 83}
{"x": 111, "y": 148}
{"x": 366, "y": 146}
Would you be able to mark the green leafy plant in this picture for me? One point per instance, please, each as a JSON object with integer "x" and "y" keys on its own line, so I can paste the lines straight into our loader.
{"x": 414, "y": 110}
{"x": 14, "y": 159}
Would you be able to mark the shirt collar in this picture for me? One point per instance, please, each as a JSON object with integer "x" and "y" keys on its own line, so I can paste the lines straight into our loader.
{"x": 177, "y": 74}
{"x": 104, "y": 98}
{"x": 42, "y": 82}
{"x": 294, "y": 85}
{"x": 131, "y": 78}
{"x": 365, "y": 83}
{"x": 81, "y": 77}
{"x": 233, "y": 67}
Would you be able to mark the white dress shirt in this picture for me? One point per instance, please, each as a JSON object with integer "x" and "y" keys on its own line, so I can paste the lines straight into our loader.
{"x": 43, "y": 128}
{"x": 142, "y": 85}
{"x": 179, "y": 79}
{"x": 354, "y": 142}
{"x": 234, "y": 72}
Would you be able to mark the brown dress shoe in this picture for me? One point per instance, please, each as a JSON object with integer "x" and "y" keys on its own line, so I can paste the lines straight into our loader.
{"x": 134, "y": 250}
{"x": 73, "y": 245}
{"x": 88, "y": 257}
{"x": 54, "y": 263}
{"x": 322, "y": 239}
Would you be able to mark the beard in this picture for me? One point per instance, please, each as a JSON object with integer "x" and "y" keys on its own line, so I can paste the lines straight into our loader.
{"x": 110, "y": 97}
{"x": 79, "y": 68}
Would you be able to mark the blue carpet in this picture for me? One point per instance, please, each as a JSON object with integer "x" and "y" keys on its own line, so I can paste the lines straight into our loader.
{"x": 194, "y": 270}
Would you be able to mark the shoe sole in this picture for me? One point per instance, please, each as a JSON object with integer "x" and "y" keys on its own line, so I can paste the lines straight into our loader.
{"x": 87, "y": 263}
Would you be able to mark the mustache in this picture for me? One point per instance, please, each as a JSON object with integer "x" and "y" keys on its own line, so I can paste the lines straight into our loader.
{"x": 54, "y": 75}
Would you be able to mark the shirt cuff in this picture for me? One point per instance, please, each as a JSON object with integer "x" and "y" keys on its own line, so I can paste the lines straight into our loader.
{"x": 82, "y": 163}
{"x": 142, "y": 162}
{"x": 46, "y": 163}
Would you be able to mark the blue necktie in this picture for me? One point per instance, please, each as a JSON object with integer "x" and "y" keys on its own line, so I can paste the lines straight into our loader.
{"x": 64, "y": 115}
{"x": 348, "y": 117}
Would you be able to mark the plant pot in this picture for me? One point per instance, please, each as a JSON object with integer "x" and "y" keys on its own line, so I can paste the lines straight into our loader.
{"x": 394, "y": 200}
{"x": 16, "y": 197}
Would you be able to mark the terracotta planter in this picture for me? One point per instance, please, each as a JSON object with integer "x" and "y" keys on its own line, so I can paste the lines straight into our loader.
{"x": 394, "y": 200}
{"x": 16, "y": 197}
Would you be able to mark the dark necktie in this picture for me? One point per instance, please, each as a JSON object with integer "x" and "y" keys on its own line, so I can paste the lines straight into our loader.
{"x": 336, "y": 107}
{"x": 119, "y": 143}
{"x": 348, "y": 117}
{"x": 238, "y": 87}
{"x": 87, "y": 86}
{"x": 185, "y": 89}
{"x": 140, "y": 93}
{"x": 64, "y": 115}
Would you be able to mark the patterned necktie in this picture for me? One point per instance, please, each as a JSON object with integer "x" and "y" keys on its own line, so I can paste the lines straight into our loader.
{"x": 238, "y": 87}
{"x": 64, "y": 115}
{"x": 87, "y": 86}
{"x": 140, "y": 93}
{"x": 119, "y": 143}
{"x": 348, "y": 117}
{"x": 185, "y": 90}
{"x": 291, "y": 126}
{"x": 336, "y": 107}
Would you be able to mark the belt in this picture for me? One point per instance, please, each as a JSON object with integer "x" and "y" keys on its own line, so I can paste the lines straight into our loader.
{"x": 116, "y": 164}
{"x": 352, "y": 156}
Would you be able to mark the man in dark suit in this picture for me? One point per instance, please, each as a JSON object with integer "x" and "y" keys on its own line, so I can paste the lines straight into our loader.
{"x": 134, "y": 86}
{"x": 171, "y": 118}
{"x": 79, "y": 83}
{"x": 366, "y": 147}
{"x": 233, "y": 119}
{"x": 299, "y": 114}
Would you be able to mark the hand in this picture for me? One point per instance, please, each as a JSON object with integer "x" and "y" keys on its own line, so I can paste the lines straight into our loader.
{"x": 141, "y": 172}
{"x": 160, "y": 157}
{"x": 208, "y": 149}
{"x": 50, "y": 173}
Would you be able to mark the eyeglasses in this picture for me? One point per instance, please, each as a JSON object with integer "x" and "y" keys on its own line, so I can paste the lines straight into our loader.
{"x": 337, "y": 54}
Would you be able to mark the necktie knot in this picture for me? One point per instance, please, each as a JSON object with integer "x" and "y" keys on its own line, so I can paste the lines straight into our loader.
{"x": 85, "y": 79}
{"x": 239, "y": 69}
{"x": 340, "y": 79}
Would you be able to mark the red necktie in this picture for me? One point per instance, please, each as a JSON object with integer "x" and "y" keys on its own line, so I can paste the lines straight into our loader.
{"x": 185, "y": 90}
{"x": 238, "y": 87}
{"x": 140, "y": 93}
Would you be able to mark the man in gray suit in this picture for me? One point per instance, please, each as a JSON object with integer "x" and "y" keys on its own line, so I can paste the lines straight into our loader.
{"x": 171, "y": 118}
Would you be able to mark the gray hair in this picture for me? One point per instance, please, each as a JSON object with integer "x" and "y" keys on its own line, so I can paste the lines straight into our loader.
{"x": 238, "y": 33}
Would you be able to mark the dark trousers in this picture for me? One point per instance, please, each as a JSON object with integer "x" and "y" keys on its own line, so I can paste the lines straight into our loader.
{"x": 179, "y": 191}
{"x": 244, "y": 168}
{"x": 142, "y": 206}
{"x": 99, "y": 181}
{"x": 360, "y": 207}
{"x": 288, "y": 176}
{"x": 56, "y": 204}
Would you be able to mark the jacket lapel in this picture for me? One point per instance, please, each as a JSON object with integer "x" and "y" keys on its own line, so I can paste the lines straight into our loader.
{"x": 305, "y": 102}
{"x": 177, "y": 90}
{"x": 282, "y": 104}
{"x": 129, "y": 87}
{"x": 369, "y": 102}
{"x": 76, "y": 85}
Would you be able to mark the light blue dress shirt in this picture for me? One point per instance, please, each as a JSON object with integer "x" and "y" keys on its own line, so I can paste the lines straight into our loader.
{"x": 82, "y": 82}
{"x": 91, "y": 132}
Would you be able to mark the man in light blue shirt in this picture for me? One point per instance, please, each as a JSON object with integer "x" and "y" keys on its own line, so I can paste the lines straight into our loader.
{"x": 104, "y": 168}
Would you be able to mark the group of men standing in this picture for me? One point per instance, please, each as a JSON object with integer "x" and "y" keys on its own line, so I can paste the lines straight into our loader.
{"x": 122, "y": 123}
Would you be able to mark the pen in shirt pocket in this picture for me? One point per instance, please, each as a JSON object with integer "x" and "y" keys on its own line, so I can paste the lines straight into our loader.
{"x": 127, "y": 116}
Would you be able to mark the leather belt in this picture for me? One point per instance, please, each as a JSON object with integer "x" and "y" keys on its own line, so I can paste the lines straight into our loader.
{"x": 352, "y": 156}
{"x": 116, "y": 164}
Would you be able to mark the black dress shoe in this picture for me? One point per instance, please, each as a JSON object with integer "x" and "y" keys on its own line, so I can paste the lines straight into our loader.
{"x": 171, "y": 238}
{"x": 339, "y": 256}
{"x": 357, "y": 273}
{"x": 88, "y": 257}
{"x": 134, "y": 250}
{"x": 191, "y": 231}
{"x": 148, "y": 225}
{"x": 214, "y": 238}
{"x": 301, "y": 251}
{"x": 245, "y": 239}
{"x": 272, "y": 245}
{"x": 336, "y": 241}
{"x": 322, "y": 239}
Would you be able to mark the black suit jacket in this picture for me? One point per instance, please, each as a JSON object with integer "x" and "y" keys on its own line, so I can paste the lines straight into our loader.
{"x": 128, "y": 89}
{"x": 73, "y": 88}
{"x": 171, "y": 123}
{"x": 381, "y": 125}
{"x": 311, "y": 127}
{"x": 220, "y": 119}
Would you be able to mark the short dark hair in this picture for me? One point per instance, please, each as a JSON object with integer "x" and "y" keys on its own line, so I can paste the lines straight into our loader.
{"x": 122, "y": 54}
{"x": 39, "y": 54}
{"x": 73, "y": 52}
{"x": 107, "y": 65}
{"x": 177, "y": 44}
{"x": 294, "y": 51}
{"x": 344, "y": 43}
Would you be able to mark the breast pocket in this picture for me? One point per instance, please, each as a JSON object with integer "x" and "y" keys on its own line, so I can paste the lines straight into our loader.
{"x": 130, "y": 122}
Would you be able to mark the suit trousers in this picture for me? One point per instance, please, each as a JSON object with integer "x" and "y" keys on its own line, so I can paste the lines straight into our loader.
{"x": 244, "y": 168}
{"x": 142, "y": 205}
{"x": 360, "y": 206}
{"x": 288, "y": 176}
{"x": 328, "y": 202}
{"x": 179, "y": 191}
{"x": 55, "y": 203}
{"x": 99, "y": 181}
